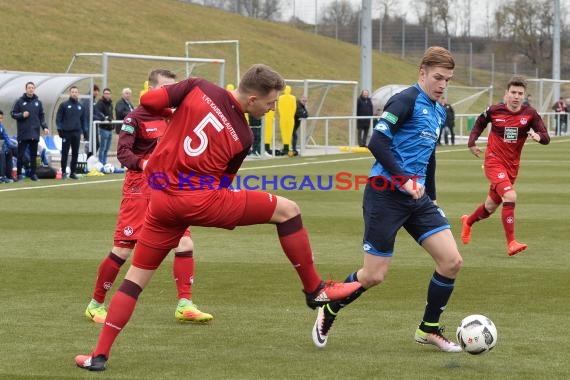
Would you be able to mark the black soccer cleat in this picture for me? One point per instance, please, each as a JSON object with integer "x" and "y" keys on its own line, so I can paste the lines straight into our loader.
{"x": 91, "y": 363}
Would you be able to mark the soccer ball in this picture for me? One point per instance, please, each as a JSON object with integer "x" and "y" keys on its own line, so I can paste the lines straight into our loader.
{"x": 477, "y": 334}
{"x": 108, "y": 169}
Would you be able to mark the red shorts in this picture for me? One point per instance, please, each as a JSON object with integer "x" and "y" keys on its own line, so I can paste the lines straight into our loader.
{"x": 169, "y": 215}
{"x": 501, "y": 181}
{"x": 136, "y": 197}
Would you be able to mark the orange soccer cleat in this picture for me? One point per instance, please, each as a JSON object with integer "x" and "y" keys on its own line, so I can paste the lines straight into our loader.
{"x": 465, "y": 230}
{"x": 515, "y": 247}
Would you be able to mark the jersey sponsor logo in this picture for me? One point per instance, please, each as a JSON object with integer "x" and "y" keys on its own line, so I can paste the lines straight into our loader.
{"x": 510, "y": 134}
{"x": 128, "y": 128}
{"x": 390, "y": 117}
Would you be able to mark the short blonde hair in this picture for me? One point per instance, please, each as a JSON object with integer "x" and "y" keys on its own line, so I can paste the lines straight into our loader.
{"x": 436, "y": 56}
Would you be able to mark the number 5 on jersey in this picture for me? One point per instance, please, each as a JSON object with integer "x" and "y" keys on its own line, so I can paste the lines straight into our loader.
{"x": 210, "y": 119}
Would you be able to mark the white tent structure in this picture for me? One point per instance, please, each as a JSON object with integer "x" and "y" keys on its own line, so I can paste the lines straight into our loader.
{"x": 51, "y": 89}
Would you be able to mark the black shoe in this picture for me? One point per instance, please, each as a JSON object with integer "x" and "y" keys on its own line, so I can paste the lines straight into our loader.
{"x": 73, "y": 176}
{"x": 34, "y": 178}
{"x": 90, "y": 363}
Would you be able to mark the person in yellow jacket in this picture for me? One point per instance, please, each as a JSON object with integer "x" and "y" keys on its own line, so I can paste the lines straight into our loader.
{"x": 286, "y": 105}
{"x": 144, "y": 90}
{"x": 269, "y": 118}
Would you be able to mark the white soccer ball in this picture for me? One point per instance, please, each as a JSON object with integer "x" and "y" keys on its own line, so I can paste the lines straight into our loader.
{"x": 477, "y": 334}
{"x": 108, "y": 168}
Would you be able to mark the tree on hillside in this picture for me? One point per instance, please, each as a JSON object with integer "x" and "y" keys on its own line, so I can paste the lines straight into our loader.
{"x": 528, "y": 24}
{"x": 263, "y": 9}
{"x": 339, "y": 18}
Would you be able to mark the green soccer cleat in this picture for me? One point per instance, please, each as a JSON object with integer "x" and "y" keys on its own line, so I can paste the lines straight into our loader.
{"x": 187, "y": 311}
{"x": 96, "y": 312}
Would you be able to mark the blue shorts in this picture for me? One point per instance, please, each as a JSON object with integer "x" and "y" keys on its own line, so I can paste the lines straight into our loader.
{"x": 386, "y": 210}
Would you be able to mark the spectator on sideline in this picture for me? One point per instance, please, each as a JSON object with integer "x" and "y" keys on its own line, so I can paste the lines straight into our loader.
{"x": 402, "y": 143}
{"x": 123, "y": 106}
{"x": 364, "y": 107}
{"x": 137, "y": 140}
{"x": 70, "y": 120}
{"x": 28, "y": 112}
{"x": 103, "y": 111}
{"x": 221, "y": 139}
{"x": 87, "y": 104}
{"x": 5, "y": 153}
{"x": 300, "y": 113}
{"x": 512, "y": 124}
{"x": 561, "y": 117}
{"x": 449, "y": 128}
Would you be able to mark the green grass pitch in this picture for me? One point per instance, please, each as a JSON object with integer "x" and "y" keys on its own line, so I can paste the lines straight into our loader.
{"x": 53, "y": 235}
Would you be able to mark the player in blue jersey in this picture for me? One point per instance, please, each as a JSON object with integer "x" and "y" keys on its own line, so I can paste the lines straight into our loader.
{"x": 402, "y": 143}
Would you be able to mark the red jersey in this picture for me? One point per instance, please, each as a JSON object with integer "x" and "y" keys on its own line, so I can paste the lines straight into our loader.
{"x": 139, "y": 136}
{"x": 508, "y": 134}
{"x": 207, "y": 140}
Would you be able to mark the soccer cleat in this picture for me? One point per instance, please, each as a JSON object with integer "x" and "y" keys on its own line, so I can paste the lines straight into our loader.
{"x": 331, "y": 291}
{"x": 187, "y": 311}
{"x": 323, "y": 324}
{"x": 96, "y": 312}
{"x": 465, "y": 230}
{"x": 91, "y": 363}
{"x": 515, "y": 247}
{"x": 437, "y": 339}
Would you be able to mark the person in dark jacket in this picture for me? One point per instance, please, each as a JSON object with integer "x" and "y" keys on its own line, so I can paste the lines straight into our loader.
{"x": 6, "y": 153}
{"x": 70, "y": 120}
{"x": 300, "y": 113}
{"x": 363, "y": 108}
{"x": 123, "y": 107}
{"x": 28, "y": 112}
{"x": 103, "y": 111}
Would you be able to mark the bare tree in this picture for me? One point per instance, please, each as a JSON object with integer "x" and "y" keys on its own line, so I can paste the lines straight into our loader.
{"x": 263, "y": 9}
{"x": 528, "y": 24}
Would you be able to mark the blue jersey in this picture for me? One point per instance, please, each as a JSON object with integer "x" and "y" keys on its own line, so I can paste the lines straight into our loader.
{"x": 412, "y": 121}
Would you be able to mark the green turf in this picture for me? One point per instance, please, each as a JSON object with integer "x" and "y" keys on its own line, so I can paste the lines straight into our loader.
{"x": 53, "y": 238}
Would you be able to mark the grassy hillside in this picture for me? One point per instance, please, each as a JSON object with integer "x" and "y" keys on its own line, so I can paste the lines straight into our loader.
{"x": 44, "y": 35}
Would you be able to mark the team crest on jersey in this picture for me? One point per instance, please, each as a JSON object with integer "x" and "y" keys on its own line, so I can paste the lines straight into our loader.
{"x": 128, "y": 231}
{"x": 501, "y": 175}
{"x": 425, "y": 111}
{"x": 524, "y": 120}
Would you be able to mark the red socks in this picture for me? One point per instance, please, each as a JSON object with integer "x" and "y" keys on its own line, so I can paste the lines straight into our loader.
{"x": 508, "y": 219}
{"x": 108, "y": 271}
{"x": 477, "y": 215}
{"x": 295, "y": 243}
{"x": 183, "y": 271}
{"x": 120, "y": 310}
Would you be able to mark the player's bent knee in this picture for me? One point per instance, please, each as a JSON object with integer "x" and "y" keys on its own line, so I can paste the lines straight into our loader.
{"x": 185, "y": 245}
{"x": 122, "y": 252}
{"x": 286, "y": 209}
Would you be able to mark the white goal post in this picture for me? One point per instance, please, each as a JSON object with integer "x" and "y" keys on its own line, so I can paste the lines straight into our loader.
{"x": 215, "y": 42}
{"x": 105, "y": 56}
